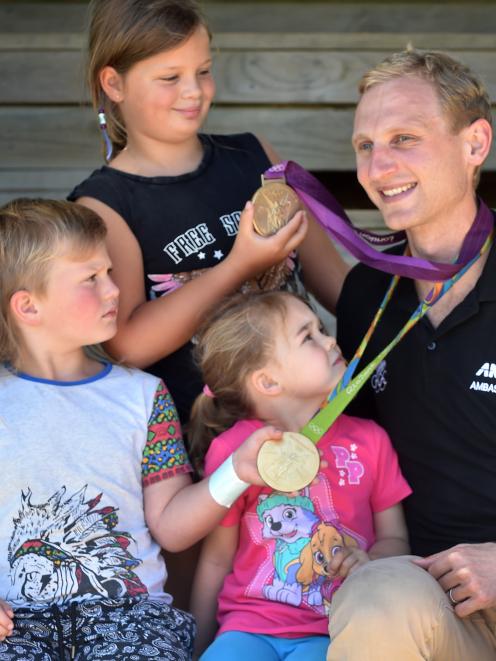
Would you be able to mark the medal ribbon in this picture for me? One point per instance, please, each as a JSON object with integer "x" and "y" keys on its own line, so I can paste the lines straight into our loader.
{"x": 334, "y": 220}
{"x": 347, "y": 389}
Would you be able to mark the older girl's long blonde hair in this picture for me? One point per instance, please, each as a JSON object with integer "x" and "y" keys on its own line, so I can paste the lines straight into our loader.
{"x": 124, "y": 32}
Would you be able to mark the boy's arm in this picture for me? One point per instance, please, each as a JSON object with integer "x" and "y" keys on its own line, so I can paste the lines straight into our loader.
{"x": 6, "y": 620}
{"x": 216, "y": 561}
{"x": 179, "y": 513}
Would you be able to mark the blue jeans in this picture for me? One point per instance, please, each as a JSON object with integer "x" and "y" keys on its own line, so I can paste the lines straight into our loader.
{"x": 243, "y": 646}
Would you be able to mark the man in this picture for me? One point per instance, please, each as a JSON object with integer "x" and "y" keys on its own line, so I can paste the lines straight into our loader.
{"x": 422, "y": 130}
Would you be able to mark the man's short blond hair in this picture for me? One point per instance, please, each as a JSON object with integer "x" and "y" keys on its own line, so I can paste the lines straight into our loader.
{"x": 461, "y": 93}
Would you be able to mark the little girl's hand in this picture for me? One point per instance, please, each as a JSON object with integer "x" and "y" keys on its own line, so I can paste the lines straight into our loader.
{"x": 245, "y": 457}
{"x": 6, "y": 620}
{"x": 347, "y": 560}
{"x": 252, "y": 254}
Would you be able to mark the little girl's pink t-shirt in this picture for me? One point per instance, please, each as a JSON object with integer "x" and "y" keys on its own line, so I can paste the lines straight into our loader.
{"x": 278, "y": 585}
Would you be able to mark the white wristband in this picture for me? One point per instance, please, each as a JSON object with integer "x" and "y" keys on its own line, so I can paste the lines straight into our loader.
{"x": 224, "y": 485}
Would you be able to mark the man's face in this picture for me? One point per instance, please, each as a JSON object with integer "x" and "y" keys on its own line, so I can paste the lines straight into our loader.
{"x": 409, "y": 161}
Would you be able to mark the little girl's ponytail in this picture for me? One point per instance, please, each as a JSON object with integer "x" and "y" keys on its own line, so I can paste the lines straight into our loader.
{"x": 234, "y": 341}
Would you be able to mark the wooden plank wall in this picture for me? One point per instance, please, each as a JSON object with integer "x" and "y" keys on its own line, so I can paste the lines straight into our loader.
{"x": 287, "y": 71}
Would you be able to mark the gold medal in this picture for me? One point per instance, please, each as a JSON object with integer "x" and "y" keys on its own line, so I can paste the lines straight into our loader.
{"x": 289, "y": 464}
{"x": 275, "y": 203}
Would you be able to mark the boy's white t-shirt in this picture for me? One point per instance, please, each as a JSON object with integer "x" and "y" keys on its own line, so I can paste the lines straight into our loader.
{"x": 74, "y": 459}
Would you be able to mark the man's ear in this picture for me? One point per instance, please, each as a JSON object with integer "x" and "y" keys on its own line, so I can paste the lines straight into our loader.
{"x": 478, "y": 140}
{"x": 265, "y": 383}
{"x": 112, "y": 84}
{"x": 24, "y": 308}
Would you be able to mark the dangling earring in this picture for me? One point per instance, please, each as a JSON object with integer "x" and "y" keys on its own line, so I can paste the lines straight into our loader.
{"x": 102, "y": 121}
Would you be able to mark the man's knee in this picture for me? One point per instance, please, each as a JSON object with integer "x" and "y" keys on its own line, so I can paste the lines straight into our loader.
{"x": 392, "y": 609}
{"x": 386, "y": 589}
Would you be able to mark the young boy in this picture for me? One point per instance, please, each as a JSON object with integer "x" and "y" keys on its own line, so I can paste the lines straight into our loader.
{"x": 95, "y": 474}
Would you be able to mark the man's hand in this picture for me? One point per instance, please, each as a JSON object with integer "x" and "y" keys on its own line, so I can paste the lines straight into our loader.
{"x": 469, "y": 571}
{"x": 6, "y": 620}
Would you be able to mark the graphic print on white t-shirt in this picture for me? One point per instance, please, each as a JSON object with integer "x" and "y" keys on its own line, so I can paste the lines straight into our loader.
{"x": 69, "y": 547}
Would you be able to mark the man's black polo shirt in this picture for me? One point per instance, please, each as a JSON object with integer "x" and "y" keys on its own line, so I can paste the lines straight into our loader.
{"x": 436, "y": 397}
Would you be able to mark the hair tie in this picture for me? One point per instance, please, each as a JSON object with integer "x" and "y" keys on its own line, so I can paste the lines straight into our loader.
{"x": 102, "y": 122}
{"x": 207, "y": 392}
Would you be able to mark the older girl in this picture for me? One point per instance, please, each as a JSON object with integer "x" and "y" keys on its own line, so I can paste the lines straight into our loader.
{"x": 172, "y": 196}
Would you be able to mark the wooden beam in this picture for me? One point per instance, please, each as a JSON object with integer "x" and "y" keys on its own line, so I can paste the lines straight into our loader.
{"x": 243, "y": 77}
{"x": 275, "y": 41}
{"x": 68, "y": 137}
{"x": 280, "y": 17}
{"x": 317, "y": 138}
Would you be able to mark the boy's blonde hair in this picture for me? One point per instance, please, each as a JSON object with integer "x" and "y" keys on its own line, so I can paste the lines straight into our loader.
{"x": 124, "y": 32}
{"x": 236, "y": 339}
{"x": 461, "y": 93}
{"x": 32, "y": 233}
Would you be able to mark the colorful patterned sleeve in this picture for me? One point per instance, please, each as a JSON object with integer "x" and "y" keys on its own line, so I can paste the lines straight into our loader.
{"x": 164, "y": 454}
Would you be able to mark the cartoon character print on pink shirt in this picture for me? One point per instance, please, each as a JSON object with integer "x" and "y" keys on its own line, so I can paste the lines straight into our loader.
{"x": 301, "y": 533}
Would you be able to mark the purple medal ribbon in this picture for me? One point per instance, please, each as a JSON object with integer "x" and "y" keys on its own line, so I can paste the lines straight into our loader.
{"x": 334, "y": 220}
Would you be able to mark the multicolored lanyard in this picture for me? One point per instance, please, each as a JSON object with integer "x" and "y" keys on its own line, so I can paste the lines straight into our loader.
{"x": 347, "y": 388}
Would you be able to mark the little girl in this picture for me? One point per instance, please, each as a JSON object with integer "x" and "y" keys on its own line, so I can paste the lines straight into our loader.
{"x": 95, "y": 477}
{"x": 172, "y": 197}
{"x": 276, "y": 559}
